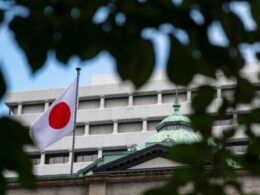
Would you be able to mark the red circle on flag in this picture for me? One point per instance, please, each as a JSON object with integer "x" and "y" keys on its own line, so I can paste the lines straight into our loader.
{"x": 59, "y": 116}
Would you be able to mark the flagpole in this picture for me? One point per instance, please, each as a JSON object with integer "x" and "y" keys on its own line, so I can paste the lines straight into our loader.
{"x": 75, "y": 122}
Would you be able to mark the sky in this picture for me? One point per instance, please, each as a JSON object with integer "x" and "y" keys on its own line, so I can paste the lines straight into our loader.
{"x": 18, "y": 76}
{"x": 14, "y": 65}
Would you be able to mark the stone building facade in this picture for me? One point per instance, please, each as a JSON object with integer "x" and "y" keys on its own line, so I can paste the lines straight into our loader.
{"x": 111, "y": 118}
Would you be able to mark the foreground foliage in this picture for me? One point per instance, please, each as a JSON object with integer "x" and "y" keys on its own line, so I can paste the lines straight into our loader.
{"x": 73, "y": 28}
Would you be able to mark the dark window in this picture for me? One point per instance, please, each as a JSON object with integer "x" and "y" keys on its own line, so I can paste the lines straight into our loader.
{"x": 151, "y": 124}
{"x": 13, "y": 110}
{"x": 116, "y": 102}
{"x": 170, "y": 97}
{"x": 35, "y": 158}
{"x": 88, "y": 104}
{"x": 80, "y": 130}
{"x": 228, "y": 93}
{"x": 145, "y": 99}
{"x": 56, "y": 158}
{"x": 86, "y": 156}
{"x": 32, "y": 108}
{"x": 95, "y": 129}
{"x": 125, "y": 127}
{"x": 224, "y": 120}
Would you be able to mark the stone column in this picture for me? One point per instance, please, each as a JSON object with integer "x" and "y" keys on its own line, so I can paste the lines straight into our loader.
{"x": 159, "y": 97}
{"x": 86, "y": 132}
{"x": 19, "y": 108}
{"x": 130, "y": 99}
{"x": 115, "y": 127}
{"x": 102, "y": 101}
{"x": 218, "y": 92}
{"x": 46, "y": 105}
{"x": 70, "y": 158}
{"x": 188, "y": 96}
{"x": 235, "y": 119}
{"x": 42, "y": 160}
{"x": 144, "y": 125}
{"x": 99, "y": 152}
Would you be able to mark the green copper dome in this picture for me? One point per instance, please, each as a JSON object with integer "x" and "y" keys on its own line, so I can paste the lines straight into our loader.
{"x": 174, "y": 122}
{"x": 169, "y": 138}
{"x": 174, "y": 129}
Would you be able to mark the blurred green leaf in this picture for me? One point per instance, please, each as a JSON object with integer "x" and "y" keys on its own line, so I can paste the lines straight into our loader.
{"x": 13, "y": 138}
{"x": 258, "y": 55}
{"x": 225, "y": 105}
{"x": 2, "y": 183}
{"x": 190, "y": 154}
{"x": 249, "y": 118}
{"x": 1, "y": 15}
{"x": 136, "y": 63}
{"x": 203, "y": 98}
{"x": 233, "y": 27}
{"x": 255, "y": 6}
{"x": 60, "y": 26}
{"x": 203, "y": 122}
{"x": 2, "y": 85}
{"x": 180, "y": 70}
{"x": 245, "y": 91}
{"x": 236, "y": 185}
{"x": 34, "y": 42}
{"x": 166, "y": 189}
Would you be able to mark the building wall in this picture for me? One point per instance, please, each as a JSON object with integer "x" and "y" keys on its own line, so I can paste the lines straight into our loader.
{"x": 54, "y": 190}
{"x": 126, "y": 185}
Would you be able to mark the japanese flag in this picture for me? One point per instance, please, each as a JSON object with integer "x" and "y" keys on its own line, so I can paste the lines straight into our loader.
{"x": 57, "y": 121}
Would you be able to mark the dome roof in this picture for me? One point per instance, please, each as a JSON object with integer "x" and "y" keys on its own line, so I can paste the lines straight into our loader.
{"x": 172, "y": 137}
{"x": 175, "y": 118}
{"x": 174, "y": 129}
{"x": 175, "y": 121}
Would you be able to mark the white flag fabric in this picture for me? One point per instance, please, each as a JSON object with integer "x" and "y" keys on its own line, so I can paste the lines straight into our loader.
{"x": 57, "y": 121}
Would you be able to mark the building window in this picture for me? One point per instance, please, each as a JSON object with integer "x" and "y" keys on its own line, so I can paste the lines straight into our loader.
{"x": 95, "y": 129}
{"x": 237, "y": 149}
{"x": 170, "y": 97}
{"x": 257, "y": 90}
{"x": 13, "y": 110}
{"x": 129, "y": 127}
{"x": 224, "y": 121}
{"x": 56, "y": 158}
{"x": 86, "y": 156}
{"x": 32, "y": 108}
{"x": 145, "y": 99}
{"x": 151, "y": 124}
{"x": 79, "y": 131}
{"x": 35, "y": 159}
{"x": 228, "y": 93}
{"x": 195, "y": 92}
{"x": 89, "y": 104}
{"x": 116, "y": 102}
